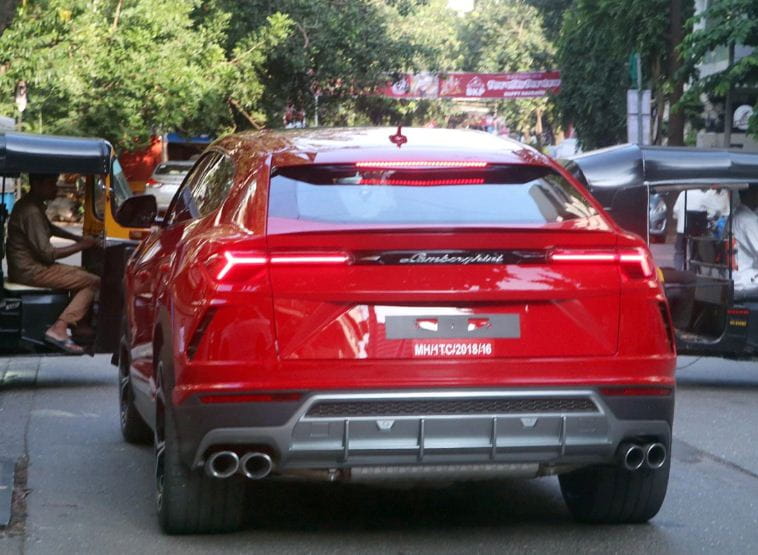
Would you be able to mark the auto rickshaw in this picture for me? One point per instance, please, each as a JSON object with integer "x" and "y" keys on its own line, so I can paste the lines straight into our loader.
{"x": 710, "y": 317}
{"x": 26, "y": 312}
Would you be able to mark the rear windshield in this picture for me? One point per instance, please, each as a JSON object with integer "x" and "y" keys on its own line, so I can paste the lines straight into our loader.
{"x": 345, "y": 197}
{"x": 172, "y": 169}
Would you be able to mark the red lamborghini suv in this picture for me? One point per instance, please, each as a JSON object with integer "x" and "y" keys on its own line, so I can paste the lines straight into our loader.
{"x": 368, "y": 304}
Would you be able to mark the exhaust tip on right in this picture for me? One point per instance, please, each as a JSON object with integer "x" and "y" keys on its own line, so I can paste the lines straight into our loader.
{"x": 655, "y": 455}
{"x": 256, "y": 466}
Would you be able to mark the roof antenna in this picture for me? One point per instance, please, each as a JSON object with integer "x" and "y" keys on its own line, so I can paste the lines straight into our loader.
{"x": 398, "y": 138}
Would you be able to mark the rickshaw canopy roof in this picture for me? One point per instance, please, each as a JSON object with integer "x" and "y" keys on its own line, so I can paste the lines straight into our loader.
{"x": 629, "y": 165}
{"x": 33, "y": 153}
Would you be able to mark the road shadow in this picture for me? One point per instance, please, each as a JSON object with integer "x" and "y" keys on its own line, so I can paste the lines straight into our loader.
{"x": 719, "y": 383}
{"x": 24, "y": 383}
{"x": 293, "y": 506}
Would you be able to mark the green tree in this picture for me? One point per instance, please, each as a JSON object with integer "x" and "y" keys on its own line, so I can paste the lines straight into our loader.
{"x": 597, "y": 38}
{"x": 552, "y": 15}
{"x": 126, "y": 70}
{"x": 725, "y": 22}
{"x": 509, "y": 37}
{"x": 338, "y": 49}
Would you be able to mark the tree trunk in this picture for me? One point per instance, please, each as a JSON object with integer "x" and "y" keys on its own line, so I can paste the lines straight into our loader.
{"x": 676, "y": 116}
{"x": 728, "y": 109}
{"x": 7, "y": 12}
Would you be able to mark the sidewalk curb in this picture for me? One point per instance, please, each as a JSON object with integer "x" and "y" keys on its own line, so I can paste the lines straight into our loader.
{"x": 7, "y": 479}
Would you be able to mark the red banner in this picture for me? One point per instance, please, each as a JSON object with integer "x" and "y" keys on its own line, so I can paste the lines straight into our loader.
{"x": 475, "y": 85}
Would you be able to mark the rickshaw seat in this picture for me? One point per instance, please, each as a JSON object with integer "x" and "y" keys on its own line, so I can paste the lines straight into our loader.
{"x": 21, "y": 288}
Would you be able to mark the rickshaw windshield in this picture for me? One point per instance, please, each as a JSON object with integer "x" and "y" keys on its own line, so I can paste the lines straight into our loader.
{"x": 119, "y": 186}
{"x": 120, "y": 191}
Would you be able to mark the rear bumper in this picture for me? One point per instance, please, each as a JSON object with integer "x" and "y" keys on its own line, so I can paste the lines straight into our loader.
{"x": 526, "y": 431}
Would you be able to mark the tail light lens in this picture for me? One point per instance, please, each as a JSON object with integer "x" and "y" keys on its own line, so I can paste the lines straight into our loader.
{"x": 153, "y": 183}
{"x": 232, "y": 266}
{"x": 636, "y": 263}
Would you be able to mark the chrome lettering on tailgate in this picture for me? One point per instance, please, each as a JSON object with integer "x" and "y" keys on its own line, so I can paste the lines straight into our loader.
{"x": 451, "y": 257}
{"x": 457, "y": 326}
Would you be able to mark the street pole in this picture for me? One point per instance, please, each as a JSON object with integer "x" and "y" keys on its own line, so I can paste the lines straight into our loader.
{"x": 639, "y": 100}
{"x": 728, "y": 115}
{"x": 315, "y": 109}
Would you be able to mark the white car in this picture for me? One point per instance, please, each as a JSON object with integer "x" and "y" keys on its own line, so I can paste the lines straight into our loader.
{"x": 166, "y": 178}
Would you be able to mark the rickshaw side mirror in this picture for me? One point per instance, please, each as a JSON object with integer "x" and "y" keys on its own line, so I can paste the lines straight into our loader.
{"x": 139, "y": 211}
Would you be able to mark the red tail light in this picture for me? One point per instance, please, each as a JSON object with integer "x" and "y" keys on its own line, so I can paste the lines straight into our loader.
{"x": 237, "y": 266}
{"x": 635, "y": 262}
{"x": 231, "y": 263}
{"x": 421, "y": 164}
{"x": 153, "y": 183}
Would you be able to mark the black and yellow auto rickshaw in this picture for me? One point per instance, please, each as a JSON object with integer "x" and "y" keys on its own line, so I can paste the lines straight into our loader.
{"x": 710, "y": 316}
{"x": 26, "y": 312}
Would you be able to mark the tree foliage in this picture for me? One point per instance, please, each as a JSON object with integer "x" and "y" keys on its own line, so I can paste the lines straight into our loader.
{"x": 126, "y": 70}
{"x": 338, "y": 49}
{"x": 725, "y": 22}
{"x": 597, "y": 38}
{"x": 509, "y": 37}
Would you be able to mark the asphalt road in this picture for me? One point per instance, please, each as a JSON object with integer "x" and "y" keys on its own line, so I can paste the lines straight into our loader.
{"x": 88, "y": 492}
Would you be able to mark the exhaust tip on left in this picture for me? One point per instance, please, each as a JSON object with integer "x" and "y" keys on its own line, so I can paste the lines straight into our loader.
{"x": 222, "y": 464}
{"x": 632, "y": 456}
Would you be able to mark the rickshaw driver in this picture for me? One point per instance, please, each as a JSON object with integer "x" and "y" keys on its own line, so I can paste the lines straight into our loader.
{"x": 31, "y": 258}
{"x": 714, "y": 202}
{"x": 745, "y": 232}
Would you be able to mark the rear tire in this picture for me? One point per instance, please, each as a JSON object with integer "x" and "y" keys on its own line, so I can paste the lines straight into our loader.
{"x": 614, "y": 495}
{"x": 133, "y": 426}
{"x": 188, "y": 501}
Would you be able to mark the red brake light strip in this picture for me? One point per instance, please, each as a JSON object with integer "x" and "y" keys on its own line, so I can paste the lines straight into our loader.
{"x": 421, "y": 182}
{"x": 421, "y": 164}
{"x": 309, "y": 259}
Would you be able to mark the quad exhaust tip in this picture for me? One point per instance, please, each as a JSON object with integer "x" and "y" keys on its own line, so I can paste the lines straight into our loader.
{"x": 655, "y": 455}
{"x": 225, "y": 464}
{"x": 632, "y": 456}
{"x": 222, "y": 464}
{"x": 256, "y": 465}
{"x": 651, "y": 455}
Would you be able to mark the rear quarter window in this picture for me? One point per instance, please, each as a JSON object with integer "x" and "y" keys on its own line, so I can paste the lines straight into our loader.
{"x": 345, "y": 197}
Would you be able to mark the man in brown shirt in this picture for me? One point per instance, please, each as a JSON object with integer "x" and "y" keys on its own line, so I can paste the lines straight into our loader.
{"x": 31, "y": 258}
